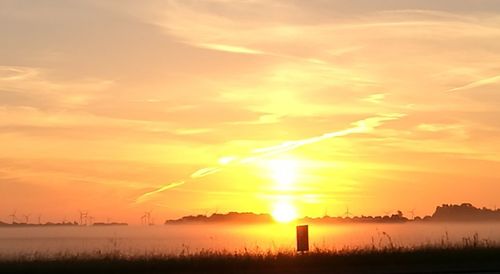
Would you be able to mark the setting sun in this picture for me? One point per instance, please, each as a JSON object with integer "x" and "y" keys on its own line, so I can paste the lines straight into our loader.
{"x": 284, "y": 212}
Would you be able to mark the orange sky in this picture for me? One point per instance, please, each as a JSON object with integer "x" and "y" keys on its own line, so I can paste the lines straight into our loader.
{"x": 103, "y": 102}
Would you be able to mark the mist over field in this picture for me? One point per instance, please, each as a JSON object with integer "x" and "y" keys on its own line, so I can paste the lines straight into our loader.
{"x": 190, "y": 239}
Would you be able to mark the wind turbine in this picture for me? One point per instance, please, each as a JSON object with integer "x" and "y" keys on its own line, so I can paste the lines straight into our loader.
{"x": 39, "y": 219}
{"x": 27, "y": 218}
{"x": 150, "y": 220}
{"x": 147, "y": 217}
{"x": 13, "y": 215}
{"x": 347, "y": 212}
{"x": 83, "y": 217}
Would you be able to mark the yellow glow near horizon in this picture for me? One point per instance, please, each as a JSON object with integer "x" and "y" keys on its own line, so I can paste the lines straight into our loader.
{"x": 283, "y": 172}
{"x": 284, "y": 212}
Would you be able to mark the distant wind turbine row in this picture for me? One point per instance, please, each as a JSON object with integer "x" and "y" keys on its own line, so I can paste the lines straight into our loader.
{"x": 85, "y": 218}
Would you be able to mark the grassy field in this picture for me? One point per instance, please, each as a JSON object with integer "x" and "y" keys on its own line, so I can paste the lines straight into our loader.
{"x": 463, "y": 259}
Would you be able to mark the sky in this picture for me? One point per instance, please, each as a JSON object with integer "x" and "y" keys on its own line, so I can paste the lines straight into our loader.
{"x": 186, "y": 107}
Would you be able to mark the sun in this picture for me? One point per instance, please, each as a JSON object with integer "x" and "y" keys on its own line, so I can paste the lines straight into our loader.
{"x": 283, "y": 172}
{"x": 284, "y": 212}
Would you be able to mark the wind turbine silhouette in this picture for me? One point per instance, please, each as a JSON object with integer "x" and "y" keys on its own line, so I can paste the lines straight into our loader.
{"x": 83, "y": 216}
{"x": 148, "y": 217}
{"x": 39, "y": 219}
{"x": 347, "y": 212}
{"x": 27, "y": 218}
{"x": 13, "y": 215}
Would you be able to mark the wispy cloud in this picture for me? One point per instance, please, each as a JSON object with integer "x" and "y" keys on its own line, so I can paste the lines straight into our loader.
{"x": 375, "y": 98}
{"x": 31, "y": 83}
{"x": 8, "y": 73}
{"x": 478, "y": 83}
{"x": 228, "y": 48}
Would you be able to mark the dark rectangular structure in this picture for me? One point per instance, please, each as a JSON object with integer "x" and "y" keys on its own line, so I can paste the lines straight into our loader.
{"x": 302, "y": 238}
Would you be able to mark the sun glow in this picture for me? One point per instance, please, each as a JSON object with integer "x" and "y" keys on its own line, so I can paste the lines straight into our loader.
{"x": 283, "y": 172}
{"x": 284, "y": 212}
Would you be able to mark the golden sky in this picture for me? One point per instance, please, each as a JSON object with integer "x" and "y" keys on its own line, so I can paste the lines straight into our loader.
{"x": 247, "y": 105}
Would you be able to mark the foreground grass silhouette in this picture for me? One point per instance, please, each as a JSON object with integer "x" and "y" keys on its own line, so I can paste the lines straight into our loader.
{"x": 463, "y": 259}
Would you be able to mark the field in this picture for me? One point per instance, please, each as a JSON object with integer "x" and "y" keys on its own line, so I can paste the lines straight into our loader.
{"x": 392, "y": 249}
{"x": 469, "y": 258}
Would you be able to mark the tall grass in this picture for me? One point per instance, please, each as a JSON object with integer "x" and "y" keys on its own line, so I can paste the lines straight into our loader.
{"x": 394, "y": 260}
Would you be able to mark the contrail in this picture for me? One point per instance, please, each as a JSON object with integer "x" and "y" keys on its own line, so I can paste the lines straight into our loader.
{"x": 204, "y": 172}
{"x": 144, "y": 196}
{"x": 362, "y": 126}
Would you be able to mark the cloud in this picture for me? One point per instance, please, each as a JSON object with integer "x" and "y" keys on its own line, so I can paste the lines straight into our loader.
{"x": 232, "y": 49}
{"x": 478, "y": 83}
{"x": 375, "y": 98}
{"x": 307, "y": 30}
{"x": 438, "y": 127}
{"x": 8, "y": 73}
{"x": 33, "y": 87}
